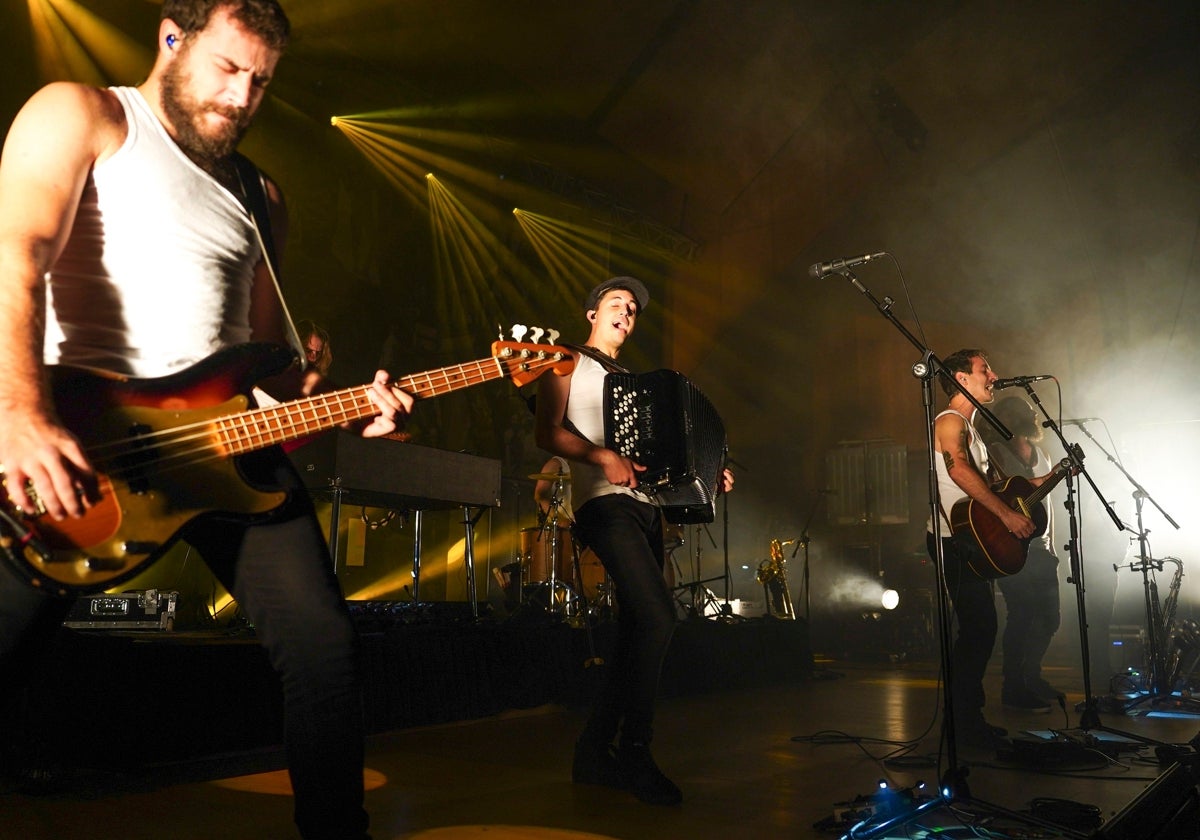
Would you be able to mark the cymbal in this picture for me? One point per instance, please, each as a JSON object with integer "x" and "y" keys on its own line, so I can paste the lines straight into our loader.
{"x": 551, "y": 477}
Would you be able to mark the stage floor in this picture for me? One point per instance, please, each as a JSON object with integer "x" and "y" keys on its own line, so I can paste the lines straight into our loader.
{"x": 765, "y": 761}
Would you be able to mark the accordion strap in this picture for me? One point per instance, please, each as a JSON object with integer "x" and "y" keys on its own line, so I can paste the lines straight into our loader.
{"x": 604, "y": 360}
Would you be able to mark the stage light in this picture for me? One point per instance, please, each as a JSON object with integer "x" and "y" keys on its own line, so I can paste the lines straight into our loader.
{"x": 333, "y": 121}
{"x": 890, "y": 599}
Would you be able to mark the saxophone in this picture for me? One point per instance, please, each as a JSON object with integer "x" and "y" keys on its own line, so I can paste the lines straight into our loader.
{"x": 1172, "y": 650}
{"x": 772, "y": 574}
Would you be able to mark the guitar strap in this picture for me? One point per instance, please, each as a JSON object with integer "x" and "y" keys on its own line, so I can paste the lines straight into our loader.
{"x": 254, "y": 191}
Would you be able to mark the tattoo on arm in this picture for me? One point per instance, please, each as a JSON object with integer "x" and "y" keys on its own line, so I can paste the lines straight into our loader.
{"x": 949, "y": 461}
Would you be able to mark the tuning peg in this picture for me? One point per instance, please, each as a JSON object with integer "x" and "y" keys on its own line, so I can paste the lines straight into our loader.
{"x": 535, "y": 334}
{"x": 518, "y": 332}
{"x": 552, "y": 336}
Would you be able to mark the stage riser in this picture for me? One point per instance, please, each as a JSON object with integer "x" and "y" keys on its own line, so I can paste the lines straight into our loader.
{"x": 130, "y": 700}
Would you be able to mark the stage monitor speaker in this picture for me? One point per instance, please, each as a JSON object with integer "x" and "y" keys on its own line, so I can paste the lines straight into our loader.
{"x": 1169, "y": 807}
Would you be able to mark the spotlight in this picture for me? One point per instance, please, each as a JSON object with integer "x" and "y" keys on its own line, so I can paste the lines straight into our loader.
{"x": 890, "y": 599}
{"x": 333, "y": 121}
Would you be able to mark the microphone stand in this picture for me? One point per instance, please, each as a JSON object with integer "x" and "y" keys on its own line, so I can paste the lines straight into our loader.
{"x": 1090, "y": 716}
{"x": 726, "y": 608}
{"x": 953, "y": 786}
{"x": 803, "y": 542}
{"x": 1155, "y": 655}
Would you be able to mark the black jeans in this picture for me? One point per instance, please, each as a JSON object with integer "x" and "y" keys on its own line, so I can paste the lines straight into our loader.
{"x": 626, "y": 534}
{"x": 1033, "y": 616}
{"x": 281, "y": 575}
{"x": 975, "y": 610}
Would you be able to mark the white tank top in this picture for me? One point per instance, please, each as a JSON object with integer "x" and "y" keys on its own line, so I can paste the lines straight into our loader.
{"x": 585, "y": 410}
{"x": 157, "y": 270}
{"x": 948, "y": 492}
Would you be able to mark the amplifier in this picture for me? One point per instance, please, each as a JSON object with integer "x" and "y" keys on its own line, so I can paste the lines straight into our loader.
{"x": 149, "y": 609}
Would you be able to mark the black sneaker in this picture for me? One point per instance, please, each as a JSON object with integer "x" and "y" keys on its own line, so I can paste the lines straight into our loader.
{"x": 1024, "y": 700}
{"x": 596, "y": 764}
{"x": 644, "y": 779}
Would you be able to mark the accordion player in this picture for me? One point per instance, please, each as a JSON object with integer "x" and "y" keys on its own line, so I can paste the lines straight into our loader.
{"x": 665, "y": 423}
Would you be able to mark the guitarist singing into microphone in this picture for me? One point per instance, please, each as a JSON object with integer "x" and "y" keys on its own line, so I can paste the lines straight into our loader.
{"x": 127, "y": 245}
{"x": 962, "y": 469}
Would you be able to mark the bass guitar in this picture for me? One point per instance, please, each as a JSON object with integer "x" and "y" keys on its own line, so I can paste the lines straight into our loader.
{"x": 166, "y": 451}
{"x": 1000, "y": 552}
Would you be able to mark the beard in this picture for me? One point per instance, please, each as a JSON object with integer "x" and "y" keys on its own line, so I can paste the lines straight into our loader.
{"x": 205, "y": 146}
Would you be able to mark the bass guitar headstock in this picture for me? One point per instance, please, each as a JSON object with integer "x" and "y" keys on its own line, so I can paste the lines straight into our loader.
{"x": 526, "y": 361}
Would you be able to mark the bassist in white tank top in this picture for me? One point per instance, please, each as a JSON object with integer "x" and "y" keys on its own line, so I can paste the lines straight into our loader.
{"x": 124, "y": 246}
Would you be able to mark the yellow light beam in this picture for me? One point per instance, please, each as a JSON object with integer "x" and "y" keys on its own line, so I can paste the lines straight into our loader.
{"x": 75, "y": 43}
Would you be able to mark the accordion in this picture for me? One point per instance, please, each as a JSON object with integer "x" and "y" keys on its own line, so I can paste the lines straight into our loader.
{"x": 663, "y": 422}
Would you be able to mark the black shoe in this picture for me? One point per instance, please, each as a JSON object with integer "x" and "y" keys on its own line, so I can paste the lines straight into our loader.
{"x": 643, "y": 777}
{"x": 1046, "y": 691}
{"x": 596, "y": 764}
{"x": 1024, "y": 700}
{"x": 974, "y": 733}
{"x": 974, "y": 718}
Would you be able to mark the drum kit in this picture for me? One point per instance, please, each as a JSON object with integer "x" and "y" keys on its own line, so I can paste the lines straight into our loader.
{"x": 556, "y": 573}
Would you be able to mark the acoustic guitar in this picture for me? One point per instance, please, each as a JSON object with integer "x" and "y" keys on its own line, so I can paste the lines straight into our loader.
{"x": 166, "y": 451}
{"x": 1002, "y": 553}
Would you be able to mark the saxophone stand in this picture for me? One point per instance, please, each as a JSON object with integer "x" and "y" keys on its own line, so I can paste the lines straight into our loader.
{"x": 952, "y": 788}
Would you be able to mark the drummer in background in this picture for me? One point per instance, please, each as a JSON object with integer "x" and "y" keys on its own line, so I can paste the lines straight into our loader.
{"x": 543, "y": 493}
{"x": 511, "y": 577}
{"x": 318, "y": 354}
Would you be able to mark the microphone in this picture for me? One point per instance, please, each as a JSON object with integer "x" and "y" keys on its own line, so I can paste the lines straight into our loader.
{"x": 1019, "y": 380}
{"x": 824, "y": 269}
{"x": 1079, "y": 421}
